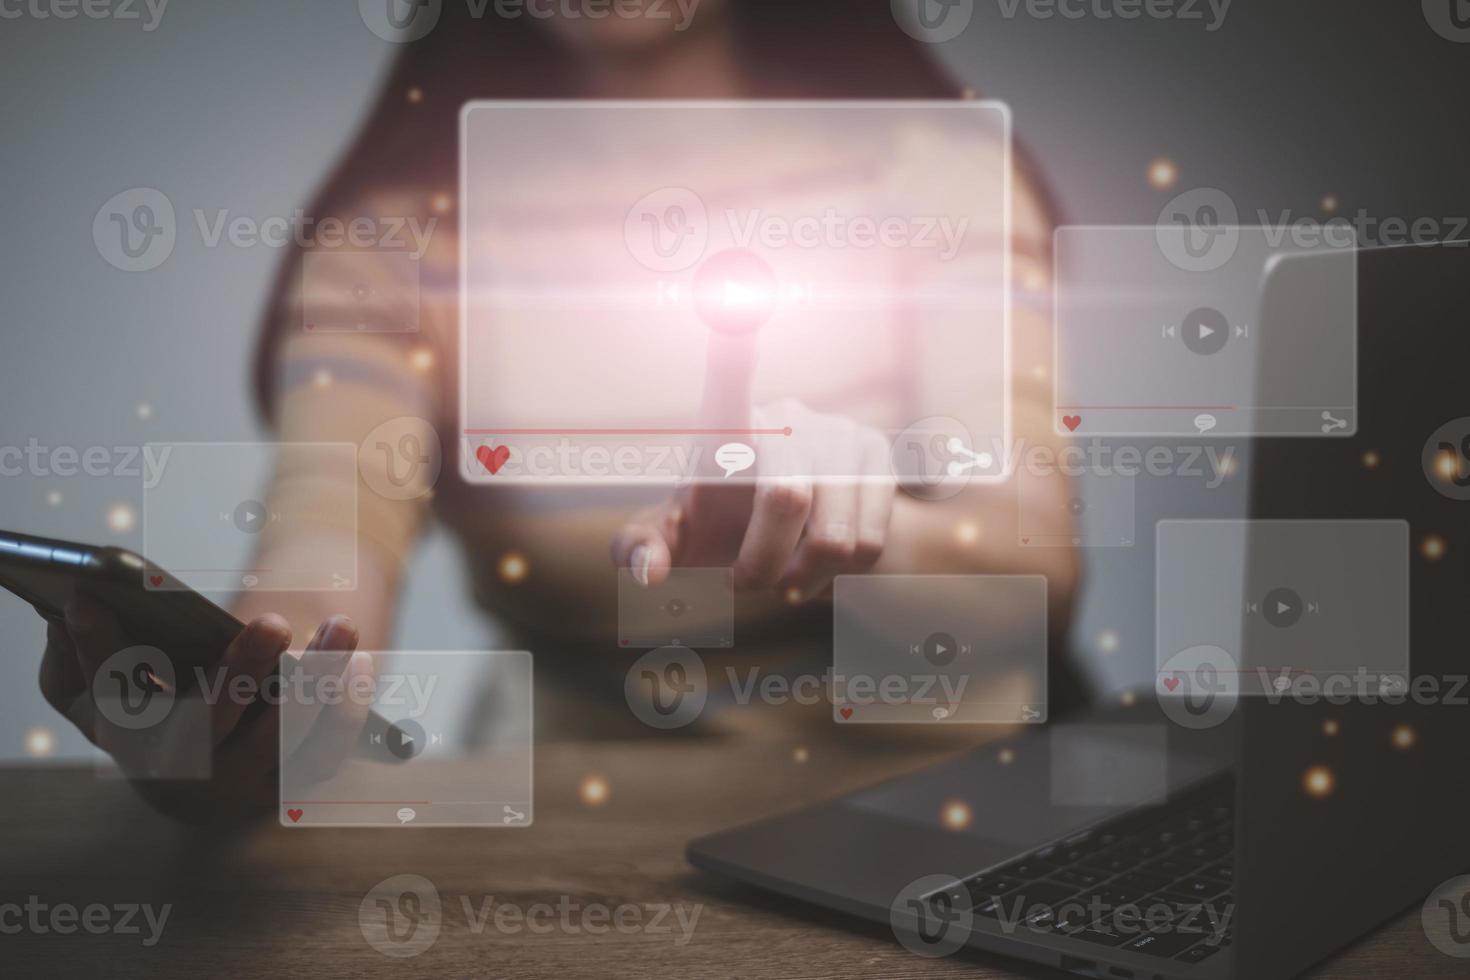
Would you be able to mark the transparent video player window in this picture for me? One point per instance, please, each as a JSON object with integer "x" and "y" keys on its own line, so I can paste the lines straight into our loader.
{"x": 1217, "y": 332}
{"x": 650, "y": 290}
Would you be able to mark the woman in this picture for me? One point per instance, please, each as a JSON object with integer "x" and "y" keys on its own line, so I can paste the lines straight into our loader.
{"x": 786, "y": 542}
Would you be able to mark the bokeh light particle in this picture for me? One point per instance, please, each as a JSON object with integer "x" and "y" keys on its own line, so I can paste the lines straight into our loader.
{"x": 800, "y": 755}
{"x": 1434, "y": 547}
{"x": 1370, "y": 460}
{"x": 53, "y": 498}
{"x": 441, "y": 203}
{"x": 513, "y": 568}
{"x": 968, "y": 532}
{"x": 1129, "y": 699}
{"x": 1107, "y": 641}
{"x": 1329, "y": 203}
{"x": 1319, "y": 782}
{"x": 40, "y": 743}
{"x": 145, "y": 411}
{"x": 1330, "y": 727}
{"x": 121, "y": 519}
{"x": 415, "y": 95}
{"x": 594, "y": 791}
{"x": 1404, "y": 737}
{"x": 956, "y": 815}
{"x": 1162, "y": 173}
{"x": 421, "y": 359}
{"x": 1006, "y": 756}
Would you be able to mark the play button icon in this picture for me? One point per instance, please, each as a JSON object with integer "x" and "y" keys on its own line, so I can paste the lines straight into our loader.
{"x": 1205, "y": 331}
{"x": 940, "y": 649}
{"x": 1282, "y": 608}
{"x": 405, "y": 739}
{"x": 250, "y": 517}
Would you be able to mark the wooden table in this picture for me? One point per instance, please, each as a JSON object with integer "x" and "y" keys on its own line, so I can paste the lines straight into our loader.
{"x": 283, "y": 903}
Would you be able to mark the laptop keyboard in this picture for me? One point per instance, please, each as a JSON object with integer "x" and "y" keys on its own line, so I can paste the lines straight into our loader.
{"x": 1156, "y": 882}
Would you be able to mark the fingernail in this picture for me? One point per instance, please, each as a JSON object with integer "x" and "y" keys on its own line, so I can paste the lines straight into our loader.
{"x": 80, "y": 616}
{"x": 338, "y": 633}
{"x": 642, "y": 559}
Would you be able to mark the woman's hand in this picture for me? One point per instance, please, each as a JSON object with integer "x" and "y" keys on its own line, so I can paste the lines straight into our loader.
{"x": 244, "y": 738}
{"x": 788, "y": 528}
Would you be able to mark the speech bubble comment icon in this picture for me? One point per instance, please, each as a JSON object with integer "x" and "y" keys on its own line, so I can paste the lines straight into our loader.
{"x": 406, "y": 814}
{"x": 1204, "y": 423}
{"x": 734, "y": 457}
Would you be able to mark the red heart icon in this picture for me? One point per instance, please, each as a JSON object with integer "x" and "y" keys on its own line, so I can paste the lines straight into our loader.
{"x": 1025, "y": 540}
{"x": 1071, "y": 422}
{"x": 1171, "y": 682}
{"x": 845, "y": 713}
{"x": 493, "y": 458}
{"x": 295, "y": 815}
{"x": 155, "y": 580}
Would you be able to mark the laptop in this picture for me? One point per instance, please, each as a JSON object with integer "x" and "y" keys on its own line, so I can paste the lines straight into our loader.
{"x": 1275, "y": 837}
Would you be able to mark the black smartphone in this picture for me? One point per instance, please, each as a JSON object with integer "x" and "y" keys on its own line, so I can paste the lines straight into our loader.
{"x": 154, "y": 608}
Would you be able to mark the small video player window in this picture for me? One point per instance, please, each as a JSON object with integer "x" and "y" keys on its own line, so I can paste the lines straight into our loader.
{"x": 694, "y": 607}
{"x": 1244, "y": 332}
{"x": 204, "y": 516}
{"x": 1298, "y": 607}
{"x": 415, "y": 764}
{"x": 939, "y": 649}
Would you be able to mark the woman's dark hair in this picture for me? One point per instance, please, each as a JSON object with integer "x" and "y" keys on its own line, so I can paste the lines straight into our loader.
{"x": 816, "y": 49}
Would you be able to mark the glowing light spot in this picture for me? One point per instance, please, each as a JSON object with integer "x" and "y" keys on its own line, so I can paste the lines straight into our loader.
{"x": 970, "y": 94}
{"x": 1162, "y": 174}
{"x": 1370, "y": 460}
{"x": 1039, "y": 373}
{"x": 1319, "y": 782}
{"x": 1329, "y": 203}
{"x": 594, "y": 791}
{"x": 145, "y": 411}
{"x": 1108, "y": 640}
{"x": 1404, "y": 737}
{"x": 421, "y": 359}
{"x": 441, "y": 203}
{"x": 1330, "y": 728}
{"x": 1033, "y": 280}
{"x": 513, "y": 568}
{"x": 967, "y": 533}
{"x": 799, "y": 755}
{"x": 1005, "y": 756}
{"x": 1433, "y": 547}
{"x": 1229, "y": 465}
{"x": 956, "y": 815}
{"x": 735, "y": 291}
{"x": 1446, "y": 466}
{"x": 53, "y": 498}
{"x": 1129, "y": 699}
{"x": 322, "y": 378}
{"x": 121, "y": 519}
{"x": 793, "y": 595}
{"x": 415, "y": 95}
{"x": 40, "y": 743}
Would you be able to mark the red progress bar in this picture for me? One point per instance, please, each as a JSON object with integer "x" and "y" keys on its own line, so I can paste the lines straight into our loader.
{"x": 628, "y": 432}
